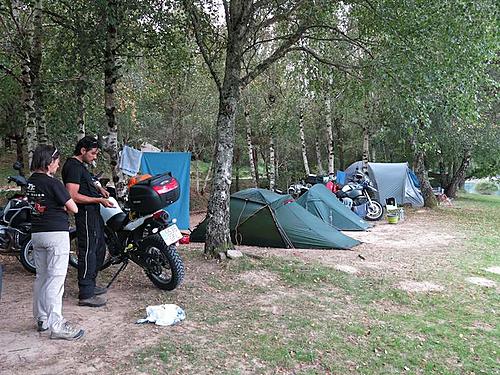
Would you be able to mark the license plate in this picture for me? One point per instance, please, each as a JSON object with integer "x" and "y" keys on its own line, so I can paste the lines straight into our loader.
{"x": 171, "y": 234}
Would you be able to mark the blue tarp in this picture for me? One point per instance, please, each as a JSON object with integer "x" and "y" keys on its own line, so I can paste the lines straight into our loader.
{"x": 178, "y": 163}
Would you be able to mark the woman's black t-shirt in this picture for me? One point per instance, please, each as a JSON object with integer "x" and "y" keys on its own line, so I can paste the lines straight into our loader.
{"x": 48, "y": 196}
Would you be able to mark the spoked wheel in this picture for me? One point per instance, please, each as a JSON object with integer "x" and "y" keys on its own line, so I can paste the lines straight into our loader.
{"x": 73, "y": 252}
{"x": 375, "y": 211}
{"x": 26, "y": 256}
{"x": 163, "y": 265}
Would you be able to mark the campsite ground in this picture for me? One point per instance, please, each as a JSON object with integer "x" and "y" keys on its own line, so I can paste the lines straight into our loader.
{"x": 403, "y": 301}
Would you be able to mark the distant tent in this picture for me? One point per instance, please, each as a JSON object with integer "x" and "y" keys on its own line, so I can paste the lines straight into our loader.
{"x": 261, "y": 217}
{"x": 322, "y": 203}
{"x": 395, "y": 180}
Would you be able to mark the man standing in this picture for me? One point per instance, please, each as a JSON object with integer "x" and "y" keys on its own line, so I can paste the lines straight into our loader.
{"x": 89, "y": 224}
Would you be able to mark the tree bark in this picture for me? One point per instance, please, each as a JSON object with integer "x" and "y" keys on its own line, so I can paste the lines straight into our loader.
{"x": 425, "y": 186}
{"x": 80, "y": 107}
{"x": 329, "y": 135}
{"x": 340, "y": 141}
{"x": 111, "y": 68}
{"x": 250, "y": 148}
{"x": 272, "y": 164}
{"x": 366, "y": 147}
{"x": 459, "y": 176}
{"x": 19, "y": 152}
{"x": 218, "y": 236}
{"x": 321, "y": 171}
{"x": 303, "y": 142}
{"x": 36, "y": 64}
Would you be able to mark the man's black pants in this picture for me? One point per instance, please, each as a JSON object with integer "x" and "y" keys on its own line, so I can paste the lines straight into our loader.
{"x": 91, "y": 247}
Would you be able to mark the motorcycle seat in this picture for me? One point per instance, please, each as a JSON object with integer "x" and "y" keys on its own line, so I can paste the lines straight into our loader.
{"x": 118, "y": 221}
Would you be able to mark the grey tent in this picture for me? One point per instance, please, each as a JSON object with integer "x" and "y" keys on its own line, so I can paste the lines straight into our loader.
{"x": 260, "y": 217}
{"x": 322, "y": 203}
{"x": 392, "y": 180}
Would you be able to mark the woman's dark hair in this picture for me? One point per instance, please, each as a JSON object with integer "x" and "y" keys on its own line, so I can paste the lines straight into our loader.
{"x": 88, "y": 142}
{"x": 43, "y": 156}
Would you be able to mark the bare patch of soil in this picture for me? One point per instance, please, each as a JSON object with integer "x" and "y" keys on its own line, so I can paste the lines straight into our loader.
{"x": 259, "y": 278}
{"x": 419, "y": 286}
{"x": 494, "y": 269}
{"x": 347, "y": 269}
{"x": 481, "y": 281}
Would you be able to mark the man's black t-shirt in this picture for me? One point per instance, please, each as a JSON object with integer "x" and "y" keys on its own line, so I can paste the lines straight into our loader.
{"x": 74, "y": 172}
{"x": 48, "y": 196}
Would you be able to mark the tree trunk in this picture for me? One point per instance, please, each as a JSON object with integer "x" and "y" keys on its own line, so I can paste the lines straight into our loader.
{"x": 111, "y": 68}
{"x": 366, "y": 148}
{"x": 340, "y": 141}
{"x": 80, "y": 107}
{"x": 27, "y": 84}
{"x": 272, "y": 164}
{"x": 218, "y": 236}
{"x": 303, "y": 142}
{"x": 19, "y": 152}
{"x": 36, "y": 64}
{"x": 250, "y": 148}
{"x": 207, "y": 177}
{"x": 459, "y": 176}
{"x": 425, "y": 186}
{"x": 329, "y": 135}
{"x": 318, "y": 157}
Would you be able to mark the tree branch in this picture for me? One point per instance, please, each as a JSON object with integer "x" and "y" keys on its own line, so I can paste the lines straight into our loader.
{"x": 191, "y": 11}
{"x": 282, "y": 50}
{"x": 323, "y": 60}
{"x": 10, "y": 72}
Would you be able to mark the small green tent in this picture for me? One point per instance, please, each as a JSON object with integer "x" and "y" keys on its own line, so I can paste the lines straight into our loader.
{"x": 322, "y": 203}
{"x": 260, "y": 217}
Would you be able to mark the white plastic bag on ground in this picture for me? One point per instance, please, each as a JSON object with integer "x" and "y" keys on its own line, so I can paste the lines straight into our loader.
{"x": 163, "y": 315}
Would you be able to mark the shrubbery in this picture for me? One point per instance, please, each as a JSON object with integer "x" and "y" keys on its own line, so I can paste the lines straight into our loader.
{"x": 487, "y": 187}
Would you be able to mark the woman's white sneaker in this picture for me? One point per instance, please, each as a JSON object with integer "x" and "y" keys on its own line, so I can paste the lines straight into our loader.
{"x": 67, "y": 332}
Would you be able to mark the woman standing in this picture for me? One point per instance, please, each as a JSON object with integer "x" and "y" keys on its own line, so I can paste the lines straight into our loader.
{"x": 50, "y": 236}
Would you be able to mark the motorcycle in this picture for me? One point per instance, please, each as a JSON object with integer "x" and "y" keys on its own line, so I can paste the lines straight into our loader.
{"x": 356, "y": 194}
{"x": 298, "y": 189}
{"x": 15, "y": 226}
{"x": 143, "y": 233}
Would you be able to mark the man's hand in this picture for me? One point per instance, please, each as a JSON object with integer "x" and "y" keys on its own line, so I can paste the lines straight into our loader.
{"x": 103, "y": 192}
{"x": 106, "y": 203}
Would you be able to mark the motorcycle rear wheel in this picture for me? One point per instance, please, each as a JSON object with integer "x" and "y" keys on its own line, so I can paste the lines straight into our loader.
{"x": 375, "y": 211}
{"x": 163, "y": 265}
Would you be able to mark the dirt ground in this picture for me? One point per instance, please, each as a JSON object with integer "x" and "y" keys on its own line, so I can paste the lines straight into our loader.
{"x": 421, "y": 242}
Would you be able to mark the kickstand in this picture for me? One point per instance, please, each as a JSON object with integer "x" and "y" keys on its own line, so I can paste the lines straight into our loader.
{"x": 122, "y": 267}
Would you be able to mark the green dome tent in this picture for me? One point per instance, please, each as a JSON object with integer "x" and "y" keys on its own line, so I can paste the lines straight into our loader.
{"x": 260, "y": 217}
{"x": 322, "y": 203}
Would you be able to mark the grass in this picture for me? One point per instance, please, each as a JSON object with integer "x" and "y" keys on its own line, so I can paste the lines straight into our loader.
{"x": 312, "y": 319}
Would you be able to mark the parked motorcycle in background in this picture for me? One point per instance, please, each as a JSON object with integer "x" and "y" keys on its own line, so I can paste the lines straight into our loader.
{"x": 356, "y": 195}
{"x": 15, "y": 226}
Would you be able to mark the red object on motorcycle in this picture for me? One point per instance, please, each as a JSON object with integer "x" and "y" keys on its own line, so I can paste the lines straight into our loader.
{"x": 153, "y": 194}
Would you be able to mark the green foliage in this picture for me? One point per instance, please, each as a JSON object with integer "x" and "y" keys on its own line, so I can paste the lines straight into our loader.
{"x": 487, "y": 187}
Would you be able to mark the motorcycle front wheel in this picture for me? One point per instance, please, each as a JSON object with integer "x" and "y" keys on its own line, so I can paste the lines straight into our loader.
{"x": 375, "y": 211}
{"x": 162, "y": 263}
{"x": 26, "y": 255}
{"x": 28, "y": 261}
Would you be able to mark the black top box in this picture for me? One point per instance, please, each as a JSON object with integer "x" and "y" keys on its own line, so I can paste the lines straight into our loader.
{"x": 153, "y": 194}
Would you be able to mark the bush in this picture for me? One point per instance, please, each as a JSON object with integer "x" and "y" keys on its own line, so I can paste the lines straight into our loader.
{"x": 487, "y": 187}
